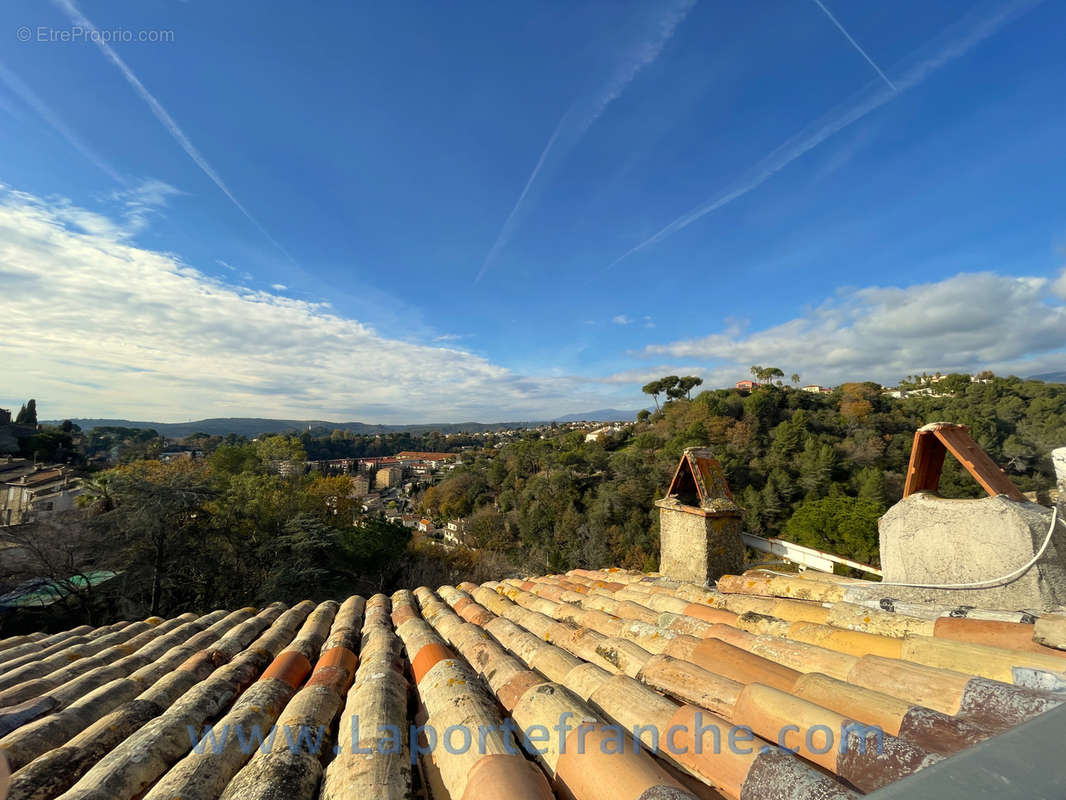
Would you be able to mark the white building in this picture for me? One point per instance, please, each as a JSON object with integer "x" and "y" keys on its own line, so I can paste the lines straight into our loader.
{"x": 599, "y": 433}
{"x": 37, "y": 494}
{"x": 453, "y": 532}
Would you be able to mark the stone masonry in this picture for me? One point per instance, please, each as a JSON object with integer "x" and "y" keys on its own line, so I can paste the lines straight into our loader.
{"x": 699, "y": 523}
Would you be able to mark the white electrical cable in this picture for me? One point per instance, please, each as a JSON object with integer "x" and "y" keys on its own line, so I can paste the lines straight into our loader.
{"x": 976, "y": 584}
{"x": 995, "y": 581}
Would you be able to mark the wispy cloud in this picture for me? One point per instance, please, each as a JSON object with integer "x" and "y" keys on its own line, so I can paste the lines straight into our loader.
{"x": 163, "y": 116}
{"x": 143, "y": 201}
{"x": 953, "y": 43}
{"x": 95, "y": 325}
{"x": 584, "y": 112}
{"x": 855, "y": 44}
{"x": 279, "y": 287}
{"x": 621, "y": 319}
{"x": 19, "y": 87}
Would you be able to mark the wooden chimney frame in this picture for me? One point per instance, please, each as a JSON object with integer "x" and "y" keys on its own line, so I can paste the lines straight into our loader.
{"x": 933, "y": 442}
{"x": 700, "y": 478}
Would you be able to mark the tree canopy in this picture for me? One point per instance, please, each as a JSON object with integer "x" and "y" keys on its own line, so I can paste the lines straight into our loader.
{"x": 565, "y": 502}
{"x": 27, "y": 414}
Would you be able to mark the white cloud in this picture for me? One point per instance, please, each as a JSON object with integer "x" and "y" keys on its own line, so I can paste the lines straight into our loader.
{"x": 649, "y": 322}
{"x": 97, "y": 326}
{"x": 621, "y": 319}
{"x": 1058, "y": 288}
{"x": 279, "y": 287}
{"x": 142, "y": 202}
{"x": 449, "y": 337}
{"x": 964, "y": 323}
{"x": 135, "y": 205}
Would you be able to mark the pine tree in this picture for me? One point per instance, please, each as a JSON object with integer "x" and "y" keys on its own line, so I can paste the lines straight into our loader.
{"x": 816, "y": 467}
{"x": 872, "y": 486}
{"x": 752, "y": 503}
{"x": 785, "y": 483}
{"x": 770, "y": 498}
{"x": 787, "y": 440}
{"x": 27, "y": 414}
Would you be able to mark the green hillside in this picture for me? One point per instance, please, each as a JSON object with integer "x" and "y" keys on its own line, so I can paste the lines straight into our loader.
{"x": 815, "y": 468}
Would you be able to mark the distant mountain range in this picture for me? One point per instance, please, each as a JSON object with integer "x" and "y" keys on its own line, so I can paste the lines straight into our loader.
{"x": 254, "y": 426}
{"x": 601, "y": 415}
{"x": 1050, "y": 377}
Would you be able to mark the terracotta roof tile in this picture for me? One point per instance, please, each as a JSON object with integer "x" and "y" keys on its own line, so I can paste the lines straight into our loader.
{"x": 553, "y": 672}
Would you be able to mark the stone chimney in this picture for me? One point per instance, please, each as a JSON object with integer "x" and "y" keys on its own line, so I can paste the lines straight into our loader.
{"x": 699, "y": 523}
{"x": 970, "y": 552}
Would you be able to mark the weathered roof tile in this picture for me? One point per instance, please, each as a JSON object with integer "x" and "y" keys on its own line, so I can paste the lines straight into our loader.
{"x": 107, "y": 713}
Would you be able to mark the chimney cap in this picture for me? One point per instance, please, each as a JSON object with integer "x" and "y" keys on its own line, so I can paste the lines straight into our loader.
{"x": 699, "y": 481}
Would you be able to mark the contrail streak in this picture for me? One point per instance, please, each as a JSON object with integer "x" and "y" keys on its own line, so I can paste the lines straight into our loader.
{"x": 855, "y": 44}
{"x": 45, "y": 112}
{"x": 841, "y": 117}
{"x": 508, "y": 225}
{"x": 571, "y": 132}
{"x": 167, "y": 121}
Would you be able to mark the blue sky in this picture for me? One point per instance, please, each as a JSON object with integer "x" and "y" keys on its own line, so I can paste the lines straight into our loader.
{"x": 411, "y": 212}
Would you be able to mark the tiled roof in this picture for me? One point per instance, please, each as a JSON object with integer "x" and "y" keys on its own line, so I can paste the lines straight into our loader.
{"x": 44, "y": 476}
{"x": 706, "y": 679}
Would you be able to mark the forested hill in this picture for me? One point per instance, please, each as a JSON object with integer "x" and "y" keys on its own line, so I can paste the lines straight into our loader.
{"x": 815, "y": 468}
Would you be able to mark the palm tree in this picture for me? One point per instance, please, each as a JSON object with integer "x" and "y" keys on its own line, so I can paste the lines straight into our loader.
{"x": 96, "y": 494}
{"x": 796, "y": 378}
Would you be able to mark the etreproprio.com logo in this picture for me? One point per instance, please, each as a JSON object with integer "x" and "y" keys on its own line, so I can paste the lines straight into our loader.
{"x": 568, "y": 733}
